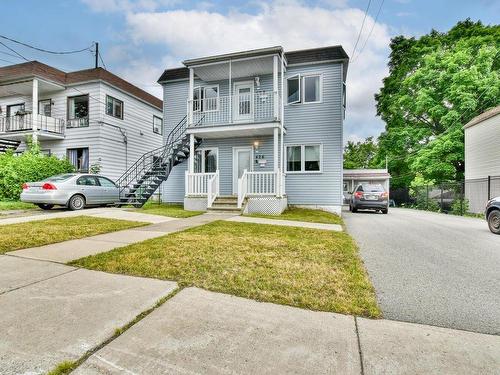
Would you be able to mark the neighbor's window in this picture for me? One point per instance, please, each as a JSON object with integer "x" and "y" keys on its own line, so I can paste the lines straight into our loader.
{"x": 157, "y": 125}
{"x": 114, "y": 107}
{"x": 303, "y": 158}
{"x": 293, "y": 89}
{"x": 78, "y": 111}
{"x": 205, "y": 160}
{"x": 45, "y": 107}
{"x": 79, "y": 157}
{"x": 312, "y": 90}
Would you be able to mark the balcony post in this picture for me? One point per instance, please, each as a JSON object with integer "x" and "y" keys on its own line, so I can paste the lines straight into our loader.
{"x": 191, "y": 153}
{"x": 275, "y": 87}
{"x": 190, "y": 97}
{"x": 230, "y": 92}
{"x": 34, "y": 111}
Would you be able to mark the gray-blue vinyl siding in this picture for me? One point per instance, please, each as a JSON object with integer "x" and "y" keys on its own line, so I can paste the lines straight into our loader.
{"x": 318, "y": 123}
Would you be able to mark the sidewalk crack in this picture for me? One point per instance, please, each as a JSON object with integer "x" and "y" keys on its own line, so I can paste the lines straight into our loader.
{"x": 359, "y": 346}
{"x": 38, "y": 281}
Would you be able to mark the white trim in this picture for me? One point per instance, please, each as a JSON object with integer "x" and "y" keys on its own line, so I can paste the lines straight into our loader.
{"x": 235, "y": 166}
{"x": 303, "y": 93}
{"x": 203, "y": 157}
{"x": 252, "y": 126}
{"x": 225, "y": 58}
{"x": 295, "y": 76}
{"x": 302, "y": 158}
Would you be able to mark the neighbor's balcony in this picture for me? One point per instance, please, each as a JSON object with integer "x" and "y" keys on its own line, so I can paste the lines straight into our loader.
{"x": 19, "y": 126}
{"x": 259, "y": 107}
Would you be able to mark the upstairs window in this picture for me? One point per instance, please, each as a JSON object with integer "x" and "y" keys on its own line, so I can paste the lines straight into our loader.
{"x": 304, "y": 89}
{"x": 78, "y": 111}
{"x": 114, "y": 107}
{"x": 45, "y": 107}
{"x": 206, "y": 98}
{"x": 157, "y": 125}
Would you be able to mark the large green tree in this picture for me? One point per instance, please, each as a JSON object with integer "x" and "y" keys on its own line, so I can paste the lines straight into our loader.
{"x": 437, "y": 83}
{"x": 360, "y": 154}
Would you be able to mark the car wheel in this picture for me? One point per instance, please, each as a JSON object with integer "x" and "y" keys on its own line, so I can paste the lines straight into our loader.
{"x": 354, "y": 209}
{"x": 494, "y": 221}
{"x": 76, "y": 202}
{"x": 385, "y": 211}
{"x": 45, "y": 206}
{"x": 350, "y": 208}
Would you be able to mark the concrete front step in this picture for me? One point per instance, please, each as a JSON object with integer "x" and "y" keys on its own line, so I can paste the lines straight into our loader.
{"x": 233, "y": 209}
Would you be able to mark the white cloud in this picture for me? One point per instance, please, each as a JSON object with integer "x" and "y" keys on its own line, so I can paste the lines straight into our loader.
{"x": 183, "y": 34}
{"x": 110, "y": 6}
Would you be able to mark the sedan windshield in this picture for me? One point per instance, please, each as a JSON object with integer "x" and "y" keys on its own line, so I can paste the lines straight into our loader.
{"x": 60, "y": 177}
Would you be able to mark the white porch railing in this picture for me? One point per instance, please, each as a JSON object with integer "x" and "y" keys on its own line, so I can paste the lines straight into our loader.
{"x": 212, "y": 189}
{"x": 260, "y": 183}
{"x": 197, "y": 183}
{"x": 262, "y": 106}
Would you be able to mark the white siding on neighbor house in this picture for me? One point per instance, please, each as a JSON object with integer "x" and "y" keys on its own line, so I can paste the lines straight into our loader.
{"x": 317, "y": 123}
{"x": 102, "y": 136}
{"x": 482, "y": 149}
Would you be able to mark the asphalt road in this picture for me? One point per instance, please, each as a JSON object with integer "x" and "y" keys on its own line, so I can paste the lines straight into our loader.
{"x": 431, "y": 268}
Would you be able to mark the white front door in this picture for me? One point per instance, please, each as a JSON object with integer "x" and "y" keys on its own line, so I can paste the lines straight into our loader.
{"x": 243, "y": 101}
{"x": 242, "y": 159}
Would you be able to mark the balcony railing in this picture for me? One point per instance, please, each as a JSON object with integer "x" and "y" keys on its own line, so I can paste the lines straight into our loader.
{"x": 262, "y": 106}
{"x": 27, "y": 122}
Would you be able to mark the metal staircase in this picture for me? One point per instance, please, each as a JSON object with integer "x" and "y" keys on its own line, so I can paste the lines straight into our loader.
{"x": 7, "y": 144}
{"x": 142, "y": 179}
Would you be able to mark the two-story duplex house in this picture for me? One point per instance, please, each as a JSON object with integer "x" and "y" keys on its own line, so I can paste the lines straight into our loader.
{"x": 92, "y": 116}
{"x": 262, "y": 129}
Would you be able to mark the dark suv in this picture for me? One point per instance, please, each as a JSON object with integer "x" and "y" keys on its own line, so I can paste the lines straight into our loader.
{"x": 492, "y": 213}
{"x": 370, "y": 197}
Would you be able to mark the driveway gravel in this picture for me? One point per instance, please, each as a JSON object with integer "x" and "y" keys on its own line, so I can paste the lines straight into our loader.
{"x": 431, "y": 268}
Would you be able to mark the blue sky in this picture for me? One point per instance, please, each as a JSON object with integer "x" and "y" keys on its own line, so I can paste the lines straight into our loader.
{"x": 138, "y": 39}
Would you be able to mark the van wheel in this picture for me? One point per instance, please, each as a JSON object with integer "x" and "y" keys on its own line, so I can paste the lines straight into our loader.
{"x": 494, "y": 221}
{"x": 76, "y": 202}
{"x": 45, "y": 206}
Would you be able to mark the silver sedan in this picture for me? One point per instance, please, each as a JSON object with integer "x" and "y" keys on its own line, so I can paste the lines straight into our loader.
{"x": 72, "y": 190}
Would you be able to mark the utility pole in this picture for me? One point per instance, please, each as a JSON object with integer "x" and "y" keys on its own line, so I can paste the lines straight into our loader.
{"x": 96, "y": 55}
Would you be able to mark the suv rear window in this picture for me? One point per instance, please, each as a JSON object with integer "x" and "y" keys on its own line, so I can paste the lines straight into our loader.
{"x": 372, "y": 188}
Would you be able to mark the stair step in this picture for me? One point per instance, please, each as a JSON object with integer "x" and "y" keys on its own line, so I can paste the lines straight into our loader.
{"x": 224, "y": 209}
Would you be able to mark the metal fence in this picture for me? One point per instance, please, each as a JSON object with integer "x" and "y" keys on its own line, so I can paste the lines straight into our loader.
{"x": 452, "y": 197}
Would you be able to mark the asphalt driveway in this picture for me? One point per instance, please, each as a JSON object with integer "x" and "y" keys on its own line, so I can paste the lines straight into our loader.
{"x": 432, "y": 268}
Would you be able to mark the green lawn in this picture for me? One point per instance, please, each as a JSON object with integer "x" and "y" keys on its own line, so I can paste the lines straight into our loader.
{"x": 308, "y": 268}
{"x": 166, "y": 209}
{"x": 304, "y": 214}
{"x": 16, "y": 205}
{"x": 44, "y": 232}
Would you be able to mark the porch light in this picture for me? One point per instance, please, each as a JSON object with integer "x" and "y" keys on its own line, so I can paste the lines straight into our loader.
{"x": 256, "y": 145}
{"x": 257, "y": 81}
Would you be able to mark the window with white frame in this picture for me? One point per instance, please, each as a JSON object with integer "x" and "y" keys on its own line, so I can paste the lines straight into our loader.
{"x": 157, "y": 125}
{"x": 206, "y": 98}
{"x": 304, "y": 89}
{"x": 114, "y": 107}
{"x": 205, "y": 160}
{"x": 303, "y": 158}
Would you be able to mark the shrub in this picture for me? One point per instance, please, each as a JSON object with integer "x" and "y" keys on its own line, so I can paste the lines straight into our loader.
{"x": 29, "y": 166}
{"x": 459, "y": 207}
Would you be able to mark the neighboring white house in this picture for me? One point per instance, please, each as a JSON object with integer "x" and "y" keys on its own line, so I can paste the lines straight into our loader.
{"x": 353, "y": 177}
{"x": 482, "y": 159}
{"x": 263, "y": 129}
{"x": 90, "y": 116}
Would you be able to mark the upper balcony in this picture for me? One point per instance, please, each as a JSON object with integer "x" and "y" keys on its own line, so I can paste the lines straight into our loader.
{"x": 19, "y": 126}
{"x": 237, "y": 94}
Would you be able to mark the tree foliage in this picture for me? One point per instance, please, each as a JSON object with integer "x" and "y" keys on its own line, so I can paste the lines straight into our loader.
{"x": 437, "y": 83}
{"x": 29, "y": 166}
{"x": 360, "y": 154}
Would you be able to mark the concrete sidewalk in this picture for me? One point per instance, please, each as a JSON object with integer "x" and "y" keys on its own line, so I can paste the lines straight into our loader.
{"x": 52, "y": 313}
{"x": 286, "y": 223}
{"x": 201, "y": 332}
{"x": 63, "y": 252}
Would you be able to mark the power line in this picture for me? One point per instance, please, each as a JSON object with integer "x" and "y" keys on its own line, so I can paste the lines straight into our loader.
{"x": 102, "y": 61}
{"x": 10, "y": 54}
{"x": 45, "y": 50}
{"x": 17, "y": 53}
{"x": 7, "y": 61}
{"x": 362, "y": 25}
{"x": 371, "y": 30}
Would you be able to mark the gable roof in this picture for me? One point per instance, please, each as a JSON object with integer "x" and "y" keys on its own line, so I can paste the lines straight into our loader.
{"x": 483, "y": 116}
{"x": 37, "y": 69}
{"x": 305, "y": 56}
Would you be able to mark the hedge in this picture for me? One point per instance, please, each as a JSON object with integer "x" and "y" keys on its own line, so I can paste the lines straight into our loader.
{"x": 29, "y": 166}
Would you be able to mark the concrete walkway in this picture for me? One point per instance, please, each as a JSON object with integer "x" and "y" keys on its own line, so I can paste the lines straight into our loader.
{"x": 286, "y": 223}
{"x": 66, "y": 251}
{"x": 108, "y": 213}
{"x": 201, "y": 332}
{"x": 53, "y": 313}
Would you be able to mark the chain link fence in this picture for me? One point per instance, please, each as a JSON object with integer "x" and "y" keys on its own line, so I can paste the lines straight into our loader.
{"x": 458, "y": 198}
